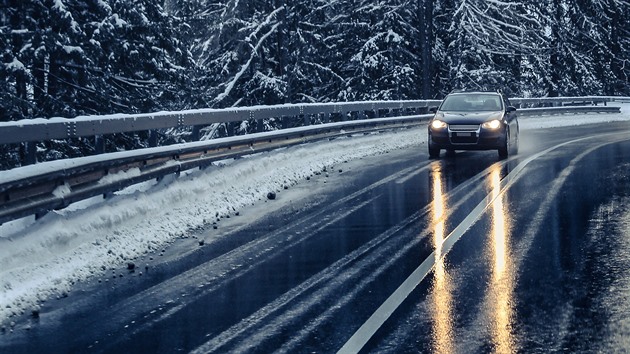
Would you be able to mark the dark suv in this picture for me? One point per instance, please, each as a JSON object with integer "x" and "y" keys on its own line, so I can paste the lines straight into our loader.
{"x": 474, "y": 121}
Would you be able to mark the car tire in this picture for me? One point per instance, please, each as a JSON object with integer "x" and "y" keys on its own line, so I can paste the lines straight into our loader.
{"x": 434, "y": 152}
{"x": 515, "y": 146}
{"x": 505, "y": 149}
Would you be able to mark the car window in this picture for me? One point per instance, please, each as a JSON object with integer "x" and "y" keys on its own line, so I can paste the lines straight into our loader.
{"x": 472, "y": 102}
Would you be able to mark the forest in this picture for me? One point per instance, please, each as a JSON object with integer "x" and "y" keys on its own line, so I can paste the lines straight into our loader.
{"x": 65, "y": 58}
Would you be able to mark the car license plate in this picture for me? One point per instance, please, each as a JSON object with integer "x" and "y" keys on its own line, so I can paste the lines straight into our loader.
{"x": 464, "y": 134}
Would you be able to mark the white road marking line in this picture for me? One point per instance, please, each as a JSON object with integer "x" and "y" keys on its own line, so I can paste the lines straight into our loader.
{"x": 411, "y": 175}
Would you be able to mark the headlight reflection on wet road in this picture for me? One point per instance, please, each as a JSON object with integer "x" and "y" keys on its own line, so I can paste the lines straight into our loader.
{"x": 501, "y": 292}
{"x": 499, "y": 297}
{"x": 442, "y": 291}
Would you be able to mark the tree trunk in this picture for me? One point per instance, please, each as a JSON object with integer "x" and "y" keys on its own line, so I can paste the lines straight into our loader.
{"x": 426, "y": 46}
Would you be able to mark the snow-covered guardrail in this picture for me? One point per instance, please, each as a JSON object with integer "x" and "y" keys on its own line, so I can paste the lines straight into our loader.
{"x": 31, "y": 131}
{"x": 37, "y": 189}
{"x": 566, "y": 110}
{"x": 534, "y": 102}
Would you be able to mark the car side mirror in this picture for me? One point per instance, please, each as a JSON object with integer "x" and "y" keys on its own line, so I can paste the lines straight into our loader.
{"x": 511, "y": 109}
{"x": 432, "y": 109}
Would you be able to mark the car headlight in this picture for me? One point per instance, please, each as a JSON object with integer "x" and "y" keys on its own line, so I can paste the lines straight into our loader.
{"x": 438, "y": 124}
{"x": 492, "y": 125}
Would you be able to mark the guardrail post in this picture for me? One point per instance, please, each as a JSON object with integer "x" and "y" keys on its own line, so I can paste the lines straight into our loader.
{"x": 260, "y": 125}
{"x": 153, "y": 138}
{"x": 29, "y": 156}
{"x": 40, "y": 214}
{"x": 99, "y": 144}
{"x": 230, "y": 128}
{"x": 326, "y": 118}
{"x": 306, "y": 118}
{"x": 195, "y": 133}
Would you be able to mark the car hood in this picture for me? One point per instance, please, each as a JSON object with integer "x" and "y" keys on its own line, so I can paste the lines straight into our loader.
{"x": 468, "y": 117}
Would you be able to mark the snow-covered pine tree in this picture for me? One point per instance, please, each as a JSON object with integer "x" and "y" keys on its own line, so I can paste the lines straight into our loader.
{"x": 602, "y": 33}
{"x": 18, "y": 28}
{"x": 487, "y": 41}
{"x": 570, "y": 71}
{"x": 231, "y": 54}
{"x": 315, "y": 50}
{"x": 142, "y": 59}
{"x": 443, "y": 38}
{"x": 71, "y": 57}
{"x": 385, "y": 58}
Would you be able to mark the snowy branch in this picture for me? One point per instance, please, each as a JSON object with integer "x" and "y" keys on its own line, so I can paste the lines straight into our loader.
{"x": 238, "y": 75}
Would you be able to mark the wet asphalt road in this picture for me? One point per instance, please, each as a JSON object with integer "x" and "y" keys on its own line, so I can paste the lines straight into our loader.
{"x": 472, "y": 254}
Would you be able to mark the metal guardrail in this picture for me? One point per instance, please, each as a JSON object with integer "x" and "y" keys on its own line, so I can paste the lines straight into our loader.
{"x": 29, "y": 132}
{"x": 561, "y": 101}
{"x": 56, "y": 184}
{"x": 65, "y": 128}
{"x": 567, "y": 109}
{"x": 565, "y": 101}
{"x": 53, "y": 185}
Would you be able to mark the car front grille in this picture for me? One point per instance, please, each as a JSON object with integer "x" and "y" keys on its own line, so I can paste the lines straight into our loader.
{"x": 464, "y": 133}
{"x": 463, "y": 128}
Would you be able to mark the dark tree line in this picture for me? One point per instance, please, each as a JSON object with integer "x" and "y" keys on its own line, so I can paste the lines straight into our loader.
{"x": 85, "y": 57}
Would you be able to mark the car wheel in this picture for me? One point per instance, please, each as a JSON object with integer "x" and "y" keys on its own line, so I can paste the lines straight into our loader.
{"x": 515, "y": 146}
{"x": 505, "y": 149}
{"x": 434, "y": 152}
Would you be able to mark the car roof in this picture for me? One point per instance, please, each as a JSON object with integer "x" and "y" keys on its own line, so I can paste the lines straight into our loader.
{"x": 475, "y": 93}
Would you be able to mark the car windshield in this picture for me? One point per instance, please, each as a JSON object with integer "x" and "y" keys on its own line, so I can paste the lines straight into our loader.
{"x": 472, "y": 102}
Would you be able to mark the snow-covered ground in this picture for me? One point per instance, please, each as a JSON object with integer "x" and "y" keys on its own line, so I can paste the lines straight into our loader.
{"x": 42, "y": 259}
